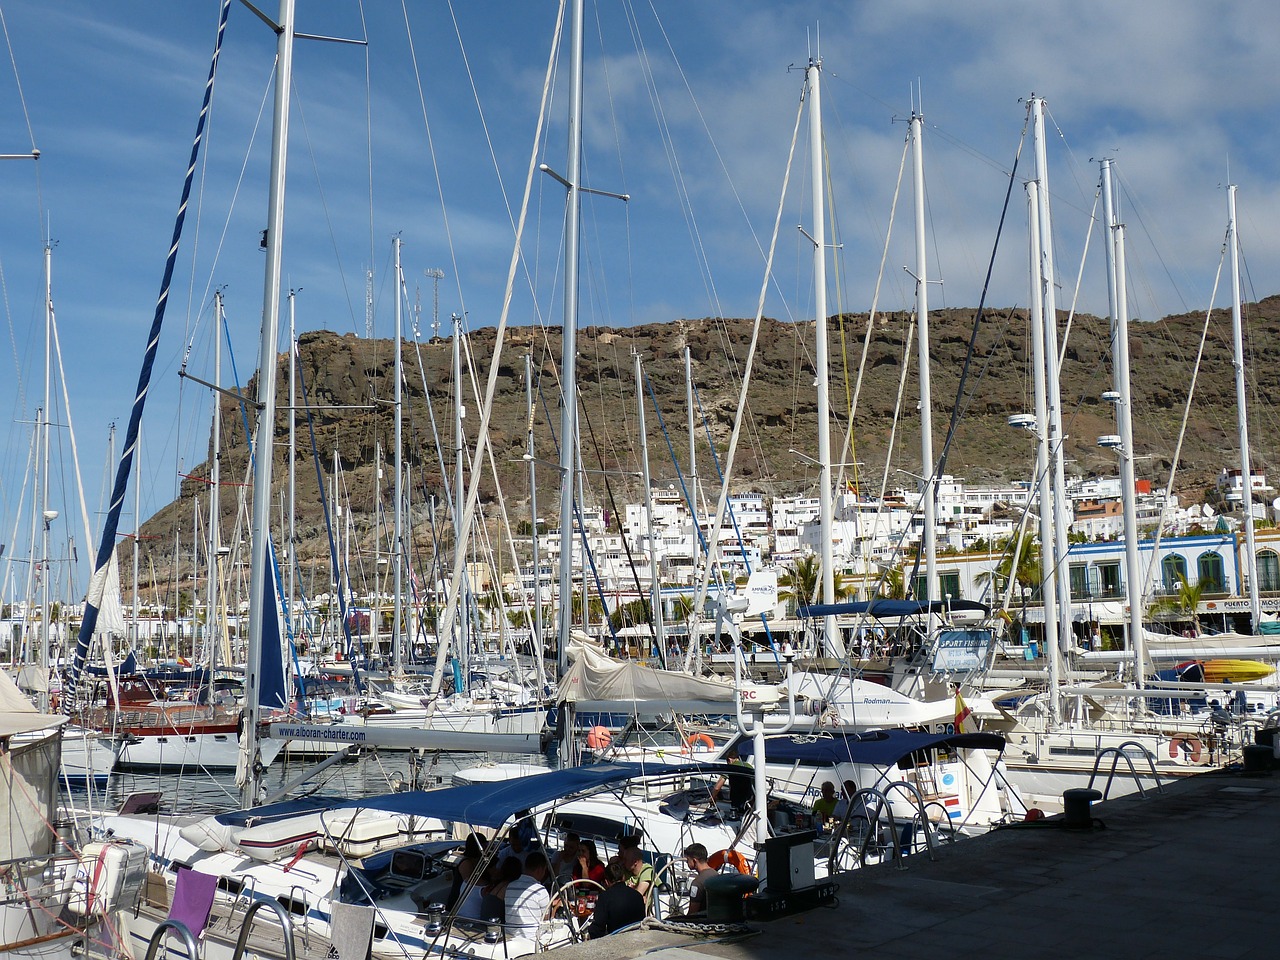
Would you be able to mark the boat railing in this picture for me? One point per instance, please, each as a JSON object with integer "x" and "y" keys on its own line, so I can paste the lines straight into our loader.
{"x": 306, "y": 910}
{"x": 1122, "y": 753}
{"x": 883, "y": 829}
{"x": 286, "y": 922}
{"x": 178, "y": 927}
{"x": 245, "y": 896}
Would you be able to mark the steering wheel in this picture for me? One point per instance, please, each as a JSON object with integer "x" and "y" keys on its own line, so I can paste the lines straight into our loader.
{"x": 561, "y": 902}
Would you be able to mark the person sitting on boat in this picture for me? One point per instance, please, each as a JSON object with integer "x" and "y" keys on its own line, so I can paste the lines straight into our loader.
{"x": 526, "y": 899}
{"x": 517, "y": 843}
{"x": 859, "y": 818}
{"x": 695, "y": 857}
{"x": 742, "y": 788}
{"x": 589, "y": 865}
{"x": 640, "y": 875}
{"x": 618, "y": 906}
{"x": 484, "y": 902}
{"x": 824, "y": 807}
{"x": 466, "y": 866}
{"x": 566, "y": 861}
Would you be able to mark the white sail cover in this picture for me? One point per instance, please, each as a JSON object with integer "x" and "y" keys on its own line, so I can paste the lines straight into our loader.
{"x": 104, "y": 593}
{"x": 18, "y": 714}
{"x": 593, "y": 675}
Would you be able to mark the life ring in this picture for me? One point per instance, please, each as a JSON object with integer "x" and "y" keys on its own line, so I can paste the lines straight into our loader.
{"x": 734, "y": 857}
{"x": 690, "y": 745}
{"x": 599, "y": 738}
{"x": 1189, "y": 745}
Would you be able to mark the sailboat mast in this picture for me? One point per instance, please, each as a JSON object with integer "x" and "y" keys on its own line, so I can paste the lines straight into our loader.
{"x": 259, "y": 562}
{"x": 569, "y": 332}
{"x": 215, "y": 475}
{"x": 398, "y": 533}
{"x": 533, "y": 516}
{"x": 46, "y": 516}
{"x": 1048, "y": 571}
{"x": 293, "y": 446}
{"x": 813, "y": 75}
{"x": 1117, "y": 294}
{"x": 1048, "y": 292}
{"x": 928, "y": 491}
{"x": 462, "y": 649}
{"x": 655, "y": 585}
{"x": 137, "y": 544}
{"x": 1242, "y": 415}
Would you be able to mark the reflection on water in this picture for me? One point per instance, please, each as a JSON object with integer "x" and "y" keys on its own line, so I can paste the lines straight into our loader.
{"x": 200, "y": 791}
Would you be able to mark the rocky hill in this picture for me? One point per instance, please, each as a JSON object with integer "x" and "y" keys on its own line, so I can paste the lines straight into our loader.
{"x": 349, "y": 383}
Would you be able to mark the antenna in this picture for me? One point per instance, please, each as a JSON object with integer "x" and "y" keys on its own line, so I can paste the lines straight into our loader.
{"x": 436, "y": 275}
{"x": 368, "y": 304}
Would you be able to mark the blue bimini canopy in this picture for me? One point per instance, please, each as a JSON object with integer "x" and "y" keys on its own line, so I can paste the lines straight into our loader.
{"x": 879, "y": 748}
{"x": 884, "y": 608}
{"x": 493, "y": 804}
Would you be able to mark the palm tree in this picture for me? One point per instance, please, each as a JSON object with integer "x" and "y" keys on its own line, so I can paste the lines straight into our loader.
{"x": 1027, "y": 574}
{"x": 1184, "y": 603}
{"x": 801, "y": 584}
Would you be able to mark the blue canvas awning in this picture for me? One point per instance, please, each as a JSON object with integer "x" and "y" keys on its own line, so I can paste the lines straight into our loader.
{"x": 883, "y": 608}
{"x": 493, "y": 804}
{"x": 879, "y": 748}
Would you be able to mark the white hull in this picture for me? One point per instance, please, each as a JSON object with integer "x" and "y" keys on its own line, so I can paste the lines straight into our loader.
{"x": 210, "y": 751}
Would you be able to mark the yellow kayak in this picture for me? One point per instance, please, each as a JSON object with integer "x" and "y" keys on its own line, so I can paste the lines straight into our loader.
{"x": 1236, "y": 671}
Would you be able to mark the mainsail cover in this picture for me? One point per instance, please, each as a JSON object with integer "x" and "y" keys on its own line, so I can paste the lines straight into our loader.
{"x": 593, "y": 675}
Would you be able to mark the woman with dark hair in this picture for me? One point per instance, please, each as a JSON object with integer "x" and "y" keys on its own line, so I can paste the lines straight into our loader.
{"x": 589, "y": 866}
{"x": 472, "y": 851}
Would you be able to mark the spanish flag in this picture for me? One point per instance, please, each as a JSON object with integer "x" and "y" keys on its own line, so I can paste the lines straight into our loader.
{"x": 964, "y": 716}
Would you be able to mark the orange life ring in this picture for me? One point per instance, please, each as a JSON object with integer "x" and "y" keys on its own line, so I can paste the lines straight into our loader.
{"x": 1188, "y": 744}
{"x": 734, "y": 857}
{"x": 702, "y": 738}
{"x": 599, "y": 738}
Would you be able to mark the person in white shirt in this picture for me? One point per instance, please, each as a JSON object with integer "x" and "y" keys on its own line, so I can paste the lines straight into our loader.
{"x": 527, "y": 899}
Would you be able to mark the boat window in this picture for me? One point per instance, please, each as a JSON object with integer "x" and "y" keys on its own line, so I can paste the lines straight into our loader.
{"x": 408, "y": 864}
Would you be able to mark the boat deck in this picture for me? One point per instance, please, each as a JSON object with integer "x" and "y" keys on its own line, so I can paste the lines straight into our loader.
{"x": 1190, "y": 872}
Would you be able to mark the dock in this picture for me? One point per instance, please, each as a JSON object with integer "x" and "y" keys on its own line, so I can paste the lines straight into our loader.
{"x": 1192, "y": 871}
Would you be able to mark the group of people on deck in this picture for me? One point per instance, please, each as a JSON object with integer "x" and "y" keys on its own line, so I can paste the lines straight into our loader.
{"x": 517, "y": 884}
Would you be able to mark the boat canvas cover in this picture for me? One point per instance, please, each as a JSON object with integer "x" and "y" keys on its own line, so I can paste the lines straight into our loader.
{"x": 18, "y": 714}
{"x": 884, "y": 608}
{"x": 879, "y": 748}
{"x": 494, "y": 804}
{"x": 597, "y": 677}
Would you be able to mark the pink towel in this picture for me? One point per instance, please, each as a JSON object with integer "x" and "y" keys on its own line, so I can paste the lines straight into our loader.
{"x": 193, "y": 899}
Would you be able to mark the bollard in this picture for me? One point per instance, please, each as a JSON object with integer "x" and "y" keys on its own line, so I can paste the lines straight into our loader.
{"x": 724, "y": 896}
{"x": 1077, "y": 805}
{"x": 1257, "y": 758}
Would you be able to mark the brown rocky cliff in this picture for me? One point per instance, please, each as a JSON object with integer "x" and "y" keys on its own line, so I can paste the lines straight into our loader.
{"x": 349, "y": 385}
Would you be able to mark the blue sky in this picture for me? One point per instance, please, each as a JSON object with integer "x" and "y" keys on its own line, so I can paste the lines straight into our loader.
{"x": 1181, "y": 94}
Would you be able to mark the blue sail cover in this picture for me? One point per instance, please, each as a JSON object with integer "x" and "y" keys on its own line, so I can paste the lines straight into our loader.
{"x": 879, "y": 748}
{"x": 884, "y": 608}
{"x": 272, "y": 691}
{"x": 494, "y": 804}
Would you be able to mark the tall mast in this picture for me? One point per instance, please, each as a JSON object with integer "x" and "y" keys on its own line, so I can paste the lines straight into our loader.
{"x": 293, "y": 447}
{"x": 1117, "y": 295}
{"x": 694, "y": 658}
{"x": 813, "y": 74}
{"x": 1242, "y": 416}
{"x": 1057, "y": 453}
{"x": 215, "y": 476}
{"x": 655, "y": 585}
{"x": 533, "y": 516}
{"x": 1048, "y": 570}
{"x": 47, "y": 516}
{"x": 930, "y": 482}
{"x": 461, "y": 650}
{"x": 398, "y": 537}
{"x": 259, "y": 564}
{"x": 569, "y": 332}
{"x": 137, "y": 543}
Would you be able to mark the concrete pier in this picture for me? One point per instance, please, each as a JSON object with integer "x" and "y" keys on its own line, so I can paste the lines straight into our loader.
{"x": 1191, "y": 872}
